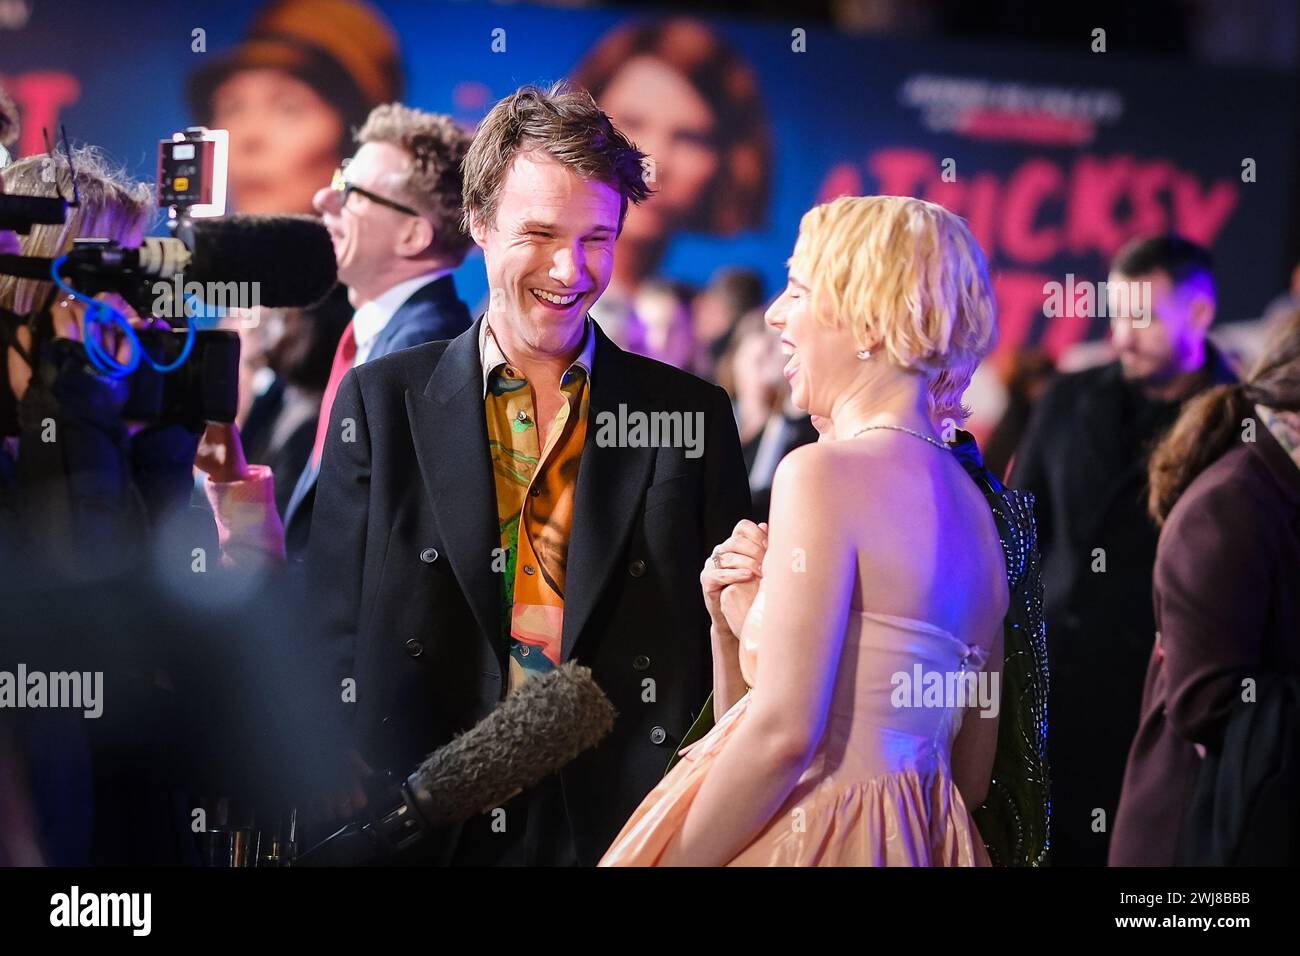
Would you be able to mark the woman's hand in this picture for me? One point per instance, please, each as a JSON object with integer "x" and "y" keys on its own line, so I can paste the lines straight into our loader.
{"x": 221, "y": 453}
{"x": 736, "y": 566}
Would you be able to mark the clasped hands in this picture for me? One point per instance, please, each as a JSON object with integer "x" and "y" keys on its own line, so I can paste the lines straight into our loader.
{"x": 732, "y": 574}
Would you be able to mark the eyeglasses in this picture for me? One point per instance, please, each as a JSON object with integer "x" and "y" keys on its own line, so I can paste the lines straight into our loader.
{"x": 345, "y": 189}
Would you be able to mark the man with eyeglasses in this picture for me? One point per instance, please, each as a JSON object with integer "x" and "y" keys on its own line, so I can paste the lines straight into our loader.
{"x": 394, "y": 214}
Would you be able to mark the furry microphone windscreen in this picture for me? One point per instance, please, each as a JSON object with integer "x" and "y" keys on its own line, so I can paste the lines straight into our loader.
{"x": 291, "y": 258}
{"x": 534, "y": 732}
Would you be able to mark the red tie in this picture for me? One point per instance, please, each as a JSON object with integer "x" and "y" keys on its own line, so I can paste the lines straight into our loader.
{"x": 343, "y": 357}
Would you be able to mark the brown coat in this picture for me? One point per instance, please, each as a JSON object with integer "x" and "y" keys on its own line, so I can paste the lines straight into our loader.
{"x": 1227, "y": 607}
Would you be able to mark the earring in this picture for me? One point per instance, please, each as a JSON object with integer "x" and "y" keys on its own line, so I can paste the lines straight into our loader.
{"x": 863, "y": 355}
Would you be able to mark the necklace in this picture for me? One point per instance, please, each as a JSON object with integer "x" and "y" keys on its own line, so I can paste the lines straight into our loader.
{"x": 899, "y": 428}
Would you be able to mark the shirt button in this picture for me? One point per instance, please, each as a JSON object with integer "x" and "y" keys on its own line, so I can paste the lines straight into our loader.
{"x": 535, "y": 490}
{"x": 429, "y": 555}
{"x": 658, "y": 735}
{"x": 641, "y": 663}
{"x": 529, "y": 569}
{"x": 636, "y": 568}
{"x": 522, "y": 416}
{"x": 414, "y": 647}
{"x": 523, "y": 650}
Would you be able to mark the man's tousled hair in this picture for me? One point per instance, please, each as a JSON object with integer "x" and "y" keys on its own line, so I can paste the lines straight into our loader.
{"x": 564, "y": 123}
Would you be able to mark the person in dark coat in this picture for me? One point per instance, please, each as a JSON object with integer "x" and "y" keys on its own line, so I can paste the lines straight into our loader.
{"x": 1226, "y": 485}
{"x": 1084, "y": 460}
{"x": 487, "y": 521}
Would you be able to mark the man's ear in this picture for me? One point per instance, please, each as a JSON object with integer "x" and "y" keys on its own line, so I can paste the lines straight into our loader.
{"x": 477, "y": 231}
{"x": 1201, "y": 311}
{"x": 416, "y": 238}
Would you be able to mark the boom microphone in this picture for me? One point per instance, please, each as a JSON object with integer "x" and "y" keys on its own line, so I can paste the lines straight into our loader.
{"x": 534, "y": 732}
{"x": 290, "y": 258}
{"x": 20, "y": 213}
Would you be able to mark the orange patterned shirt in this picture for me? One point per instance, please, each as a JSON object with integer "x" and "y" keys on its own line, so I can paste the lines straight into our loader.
{"x": 535, "y": 490}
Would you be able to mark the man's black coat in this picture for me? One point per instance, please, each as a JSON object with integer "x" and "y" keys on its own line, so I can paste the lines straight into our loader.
{"x": 401, "y": 563}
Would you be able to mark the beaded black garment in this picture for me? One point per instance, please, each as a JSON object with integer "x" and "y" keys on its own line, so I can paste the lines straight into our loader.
{"x": 1013, "y": 820}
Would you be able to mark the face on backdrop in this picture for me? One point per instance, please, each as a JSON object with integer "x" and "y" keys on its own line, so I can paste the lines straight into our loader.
{"x": 1171, "y": 340}
{"x": 549, "y": 256}
{"x": 284, "y": 140}
{"x": 661, "y": 111}
{"x": 821, "y": 361}
{"x": 374, "y": 245}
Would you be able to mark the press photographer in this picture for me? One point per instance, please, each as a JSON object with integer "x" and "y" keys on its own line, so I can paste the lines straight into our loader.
{"x": 96, "y": 523}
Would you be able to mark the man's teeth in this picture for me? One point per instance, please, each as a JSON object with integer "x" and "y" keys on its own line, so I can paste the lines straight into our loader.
{"x": 553, "y": 298}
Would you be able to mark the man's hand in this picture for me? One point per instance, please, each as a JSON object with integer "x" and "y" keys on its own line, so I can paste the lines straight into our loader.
{"x": 221, "y": 453}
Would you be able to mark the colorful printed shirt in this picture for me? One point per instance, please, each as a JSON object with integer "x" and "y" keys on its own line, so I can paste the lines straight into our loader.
{"x": 535, "y": 490}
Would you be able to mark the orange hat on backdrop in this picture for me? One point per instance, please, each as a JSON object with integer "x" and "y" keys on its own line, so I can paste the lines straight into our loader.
{"x": 292, "y": 93}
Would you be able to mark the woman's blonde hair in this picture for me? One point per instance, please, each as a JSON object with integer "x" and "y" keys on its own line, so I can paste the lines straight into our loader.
{"x": 112, "y": 207}
{"x": 908, "y": 279}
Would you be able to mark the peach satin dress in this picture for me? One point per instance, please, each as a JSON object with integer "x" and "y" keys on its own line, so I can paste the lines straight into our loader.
{"x": 878, "y": 791}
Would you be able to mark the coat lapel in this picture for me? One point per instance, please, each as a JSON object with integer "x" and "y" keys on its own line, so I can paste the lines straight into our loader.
{"x": 611, "y": 483}
{"x": 1100, "y": 466}
{"x": 449, "y": 428}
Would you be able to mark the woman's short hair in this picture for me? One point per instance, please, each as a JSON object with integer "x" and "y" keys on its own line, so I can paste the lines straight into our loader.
{"x": 112, "y": 207}
{"x": 909, "y": 280}
{"x": 739, "y": 196}
{"x": 562, "y": 122}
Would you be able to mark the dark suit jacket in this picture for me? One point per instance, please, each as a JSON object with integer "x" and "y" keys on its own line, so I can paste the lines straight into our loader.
{"x": 432, "y": 313}
{"x": 1084, "y": 459}
{"x": 411, "y": 605}
{"x": 1227, "y": 605}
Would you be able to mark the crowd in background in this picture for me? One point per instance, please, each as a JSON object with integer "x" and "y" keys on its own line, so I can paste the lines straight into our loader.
{"x": 1130, "y": 665}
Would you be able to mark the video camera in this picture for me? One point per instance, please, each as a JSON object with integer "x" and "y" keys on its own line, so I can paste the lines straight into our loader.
{"x": 177, "y": 374}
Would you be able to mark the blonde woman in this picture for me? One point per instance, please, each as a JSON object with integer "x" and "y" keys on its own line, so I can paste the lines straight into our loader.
{"x": 882, "y": 561}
